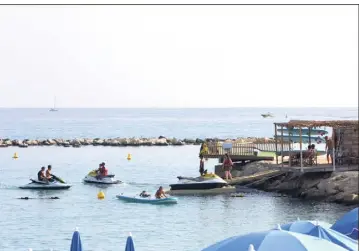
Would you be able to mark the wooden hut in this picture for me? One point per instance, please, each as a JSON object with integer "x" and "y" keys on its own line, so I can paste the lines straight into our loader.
{"x": 344, "y": 136}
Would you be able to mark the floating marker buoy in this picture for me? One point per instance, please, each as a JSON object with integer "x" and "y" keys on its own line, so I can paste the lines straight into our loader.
{"x": 129, "y": 157}
{"x": 15, "y": 156}
{"x": 101, "y": 195}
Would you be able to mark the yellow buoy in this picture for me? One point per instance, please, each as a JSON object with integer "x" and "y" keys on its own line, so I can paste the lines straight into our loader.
{"x": 15, "y": 156}
{"x": 101, "y": 195}
{"x": 129, "y": 157}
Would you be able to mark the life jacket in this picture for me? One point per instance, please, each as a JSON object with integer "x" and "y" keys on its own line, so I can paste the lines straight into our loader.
{"x": 104, "y": 171}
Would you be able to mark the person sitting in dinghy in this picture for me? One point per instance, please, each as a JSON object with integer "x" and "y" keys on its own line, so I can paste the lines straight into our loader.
{"x": 41, "y": 175}
{"x": 160, "y": 193}
{"x": 144, "y": 194}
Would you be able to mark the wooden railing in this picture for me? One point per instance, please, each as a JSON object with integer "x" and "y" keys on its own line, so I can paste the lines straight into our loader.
{"x": 242, "y": 149}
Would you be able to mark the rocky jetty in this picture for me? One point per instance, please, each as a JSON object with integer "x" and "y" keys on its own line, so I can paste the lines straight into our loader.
{"x": 160, "y": 141}
{"x": 339, "y": 187}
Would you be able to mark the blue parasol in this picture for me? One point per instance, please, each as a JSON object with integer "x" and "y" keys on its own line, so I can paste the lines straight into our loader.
{"x": 321, "y": 230}
{"x": 348, "y": 224}
{"x": 130, "y": 246}
{"x": 274, "y": 240}
{"x": 76, "y": 241}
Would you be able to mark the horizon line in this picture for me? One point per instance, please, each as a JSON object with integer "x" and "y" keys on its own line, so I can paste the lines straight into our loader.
{"x": 234, "y": 107}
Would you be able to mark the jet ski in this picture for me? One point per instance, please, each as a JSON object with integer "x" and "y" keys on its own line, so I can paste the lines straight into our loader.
{"x": 54, "y": 184}
{"x": 91, "y": 177}
{"x": 207, "y": 181}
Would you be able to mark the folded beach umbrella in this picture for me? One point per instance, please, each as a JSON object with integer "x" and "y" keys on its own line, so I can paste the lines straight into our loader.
{"x": 274, "y": 240}
{"x": 348, "y": 224}
{"x": 321, "y": 230}
{"x": 130, "y": 246}
{"x": 76, "y": 242}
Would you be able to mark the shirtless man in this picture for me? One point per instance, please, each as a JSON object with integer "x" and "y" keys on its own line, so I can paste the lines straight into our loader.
{"x": 329, "y": 145}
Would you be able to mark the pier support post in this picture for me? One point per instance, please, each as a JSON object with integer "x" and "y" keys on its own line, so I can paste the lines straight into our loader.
{"x": 282, "y": 144}
{"x": 333, "y": 159}
{"x": 289, "y": 148}
{"x": 301, "y": 152}
{"x": 276, "y": 143}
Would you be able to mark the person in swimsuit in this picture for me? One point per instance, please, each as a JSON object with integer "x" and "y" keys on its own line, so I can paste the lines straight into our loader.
{"x": 144, "y": 194}
{"x": 102, "y": 171}
{"x": 41, "y": 175}
{"x": 329, "y": 145}
{"x": 160, "y": 193}
{"x": 48, "y": 173}
{"x": 227, "y": 166}
{"x": 201, "y": 165}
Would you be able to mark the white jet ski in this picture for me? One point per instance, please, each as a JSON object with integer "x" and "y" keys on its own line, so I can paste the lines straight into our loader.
{"x": 55, "y": 184}
{"x": 92, "y": 177}
{"x": 207, "y": 181}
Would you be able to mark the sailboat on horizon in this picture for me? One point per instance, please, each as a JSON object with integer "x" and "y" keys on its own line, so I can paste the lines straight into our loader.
{"x": 54, "y": 108}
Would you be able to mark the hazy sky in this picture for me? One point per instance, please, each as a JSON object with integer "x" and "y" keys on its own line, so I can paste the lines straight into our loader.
{"x": 178, "y": 56}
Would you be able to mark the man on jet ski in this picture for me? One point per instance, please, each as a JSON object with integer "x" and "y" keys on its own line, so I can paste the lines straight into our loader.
{"x": 48, "y": 173}
{"x": 41, "y": 175}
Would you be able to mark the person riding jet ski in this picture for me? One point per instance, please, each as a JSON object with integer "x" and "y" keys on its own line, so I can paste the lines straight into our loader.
{"x": 48, "y": 174}
{"x": 102, "y": 171}
{"x": 41, "y": 175}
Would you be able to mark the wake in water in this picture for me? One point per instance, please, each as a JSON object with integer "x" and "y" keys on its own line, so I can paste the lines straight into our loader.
{"x": 10, "y": 187}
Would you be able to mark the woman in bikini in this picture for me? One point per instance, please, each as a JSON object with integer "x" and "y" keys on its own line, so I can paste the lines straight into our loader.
{"x": 227, "y": 166}
{"x": 160, "y": 193}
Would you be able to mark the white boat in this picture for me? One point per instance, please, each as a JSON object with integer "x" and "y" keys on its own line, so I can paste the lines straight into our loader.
{"x": 51, "y": 185}
{"x": 92, "y": 177}
{"x": 205, "y": 184}
{"x": 267, "y": 115}
{"x": 54, "y": 108}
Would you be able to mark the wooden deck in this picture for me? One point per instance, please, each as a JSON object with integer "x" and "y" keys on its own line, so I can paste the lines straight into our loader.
{"x": 315, "y": 168}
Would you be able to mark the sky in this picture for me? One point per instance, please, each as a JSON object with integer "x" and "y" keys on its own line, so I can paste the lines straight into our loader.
{"x": 179, "y": 56}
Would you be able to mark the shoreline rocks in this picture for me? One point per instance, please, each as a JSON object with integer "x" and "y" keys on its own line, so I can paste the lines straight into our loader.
{"x": 121, "y": 142}
{"x": 338, "y": 187}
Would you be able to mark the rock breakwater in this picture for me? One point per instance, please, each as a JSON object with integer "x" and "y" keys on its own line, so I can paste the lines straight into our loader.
{"x": 160, "y": 141}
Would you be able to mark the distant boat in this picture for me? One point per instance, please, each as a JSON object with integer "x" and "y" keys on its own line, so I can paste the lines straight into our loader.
{"x": 54, "y": 108}
{"x": 313, "y": 132}
{"x": 267, "y": 115}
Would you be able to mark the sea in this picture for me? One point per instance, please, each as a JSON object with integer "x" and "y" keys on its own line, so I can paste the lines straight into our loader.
{"x": 191, "y": 225}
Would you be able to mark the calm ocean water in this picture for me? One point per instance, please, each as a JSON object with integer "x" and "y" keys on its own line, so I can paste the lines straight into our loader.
{"x": 192, "y": 224}
{"x": 180, "y": 123}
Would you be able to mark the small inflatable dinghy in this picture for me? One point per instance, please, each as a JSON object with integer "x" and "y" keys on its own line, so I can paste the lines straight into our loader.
{"x": 148, "y": 200}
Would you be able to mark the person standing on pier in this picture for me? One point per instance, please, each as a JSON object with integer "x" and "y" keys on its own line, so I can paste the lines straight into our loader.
{"x": 329, "y": 145}
{"x": 201, "y": 165}
{"x": 227, "y": 166}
